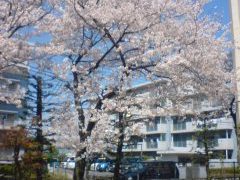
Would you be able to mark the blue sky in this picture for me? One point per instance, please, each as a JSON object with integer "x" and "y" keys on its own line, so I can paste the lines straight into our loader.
{"x": 221, "y": 7}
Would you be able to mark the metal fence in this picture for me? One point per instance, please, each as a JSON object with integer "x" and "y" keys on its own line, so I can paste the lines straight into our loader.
{"x": 224, "y": 170}
{"x": 160, "y": 170}
{"x": 60, "y": 168}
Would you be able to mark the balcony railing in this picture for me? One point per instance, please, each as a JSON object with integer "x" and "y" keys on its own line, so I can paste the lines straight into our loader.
{"x": 130, "y": 146}
{"x": 152, "y": 145}
{"x": 6, "y": 124}
{"x": 152, "y": 128}
{"x": 180, "y": 143}
{"x": 179, "y": 127}
{"x": 211, "y": 143}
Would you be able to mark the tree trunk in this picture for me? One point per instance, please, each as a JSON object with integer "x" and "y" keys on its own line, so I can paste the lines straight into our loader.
{"x": 119, "y": 148}
{"x": 81, "y": 164}
{"x": 79, "y": 169}
{"x": 39, "y": 137}
{"x": 206, "y": 146}
{"x": 17, "y": 168}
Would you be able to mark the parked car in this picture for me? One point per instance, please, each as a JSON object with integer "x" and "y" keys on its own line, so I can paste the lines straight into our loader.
{"x": 132, "y": 170}
{"x": 102, "y": 165}
{"x": 69, "y": 163}
{"x": 93, "y": 166}
{"x": 160, "y": 170}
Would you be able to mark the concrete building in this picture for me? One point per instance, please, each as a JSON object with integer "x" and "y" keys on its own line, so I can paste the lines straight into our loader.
{"x": 9, "y": 113}
{"x": 175, "y": 138}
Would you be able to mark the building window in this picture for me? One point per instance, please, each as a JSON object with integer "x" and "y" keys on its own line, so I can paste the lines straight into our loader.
{"x": 157, "y": 120}
{"x": 152, "y": 125}
{"x": 229, "y": 153}
{"x": 163, "y": 120}
{"x": 218, "y": 154}
{"x": 221, "y": 135}
{"x": 210, "y": 141}
{"x": 229, "y": 134}
{"x": 8, "y": 85}
{"x": 13, "y": 86}
{"x": 162, "y": 137}
{"x": 179, "y": 124}
{"x": 3, "y": 118}
{"x": 180, "y": 140}
{"x": 152, "y": 141}
{"x": 160, "y": 120}
{"x": 133, "y": 143}
{"x": 130, "y": 146}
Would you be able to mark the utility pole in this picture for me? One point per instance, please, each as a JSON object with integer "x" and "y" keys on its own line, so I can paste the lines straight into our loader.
{"x": 39, "y": 136}
{"x": 235, "y": 17}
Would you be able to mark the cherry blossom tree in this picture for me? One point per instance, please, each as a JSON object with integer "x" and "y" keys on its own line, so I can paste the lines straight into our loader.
{"x": 18, "y": 19}
{"x": 108, "y": 45}
{"x": 18, "y": 28}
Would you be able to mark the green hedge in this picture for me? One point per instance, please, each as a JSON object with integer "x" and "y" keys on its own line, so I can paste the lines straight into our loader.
{"x": 224, "y": 172}
{"x": 6, "y": 169}
{"x": 58, "y": 176}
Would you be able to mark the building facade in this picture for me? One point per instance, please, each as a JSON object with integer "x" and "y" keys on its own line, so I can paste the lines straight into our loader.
{"x": 10, "y": 81}
{"x": 172, "y": 137}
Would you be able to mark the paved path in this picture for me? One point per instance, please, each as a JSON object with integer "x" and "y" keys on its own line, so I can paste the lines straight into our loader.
{"x": 100, "y": 175}
{"x": 68, "y": 172}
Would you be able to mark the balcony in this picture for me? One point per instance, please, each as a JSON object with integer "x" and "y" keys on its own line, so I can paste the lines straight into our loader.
{"x": 151, "y": 128}
{"x": 225, "y": 123}
{"x": 208, "y": 105}
{"x": 133, "y": 147}
{"x": 215, "y": 124}
{"x": 8, "y": 86}
{"x": 224, "y": 144}
{"x": 219, "y": 144}
{"x": 157, "y": 128}
{"x": 6, "y": 125}
{"x": 127, "y": 147}
{"x": 7, "y": 121}
{"x": 218, "y": 124}
{"x": 152, "y": 145}
{"x": 188, "y": 146}
{"x": 163, "y": 145}
{"x": 183, "y": 127}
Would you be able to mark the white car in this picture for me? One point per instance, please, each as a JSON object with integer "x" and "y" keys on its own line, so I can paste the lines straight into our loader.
{"x": 93, "y": 166}
{"x": 69, "y": 163}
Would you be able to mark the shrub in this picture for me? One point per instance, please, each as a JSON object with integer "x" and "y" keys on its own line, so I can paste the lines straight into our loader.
{"x": 7, "y": 169}
{"x": 224, "y": 172}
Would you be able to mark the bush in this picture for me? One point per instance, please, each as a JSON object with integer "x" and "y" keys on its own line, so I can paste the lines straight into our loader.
{"x": 224, "y": 172}
{"x": 7, "y": 169}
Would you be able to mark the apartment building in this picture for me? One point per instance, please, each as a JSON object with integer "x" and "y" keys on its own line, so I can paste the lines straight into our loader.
{"x": 10, "y": 81}
{"x": 171, "y": 137}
